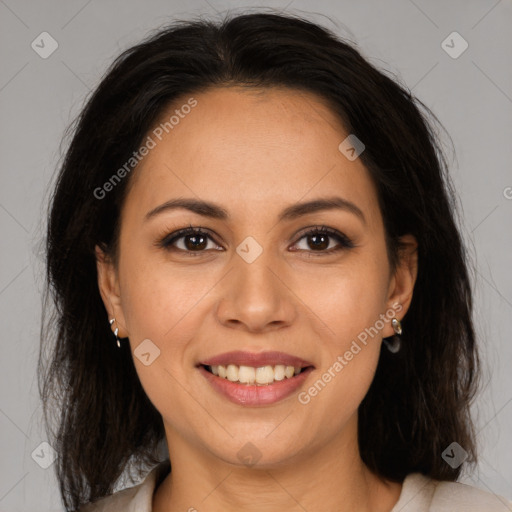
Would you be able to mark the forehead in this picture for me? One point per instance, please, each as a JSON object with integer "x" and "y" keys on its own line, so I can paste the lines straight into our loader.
{"x": 249, "y": 149}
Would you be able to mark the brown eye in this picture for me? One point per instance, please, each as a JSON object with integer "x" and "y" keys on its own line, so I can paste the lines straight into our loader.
{"x": 193, "y": 242}
{"x": 188, "y": 240}
{"x": 320, "y": 238}
{"x": 318, "y": 241}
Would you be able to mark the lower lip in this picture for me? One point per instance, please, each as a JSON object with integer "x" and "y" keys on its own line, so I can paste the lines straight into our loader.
{"x": 248, "y": 394}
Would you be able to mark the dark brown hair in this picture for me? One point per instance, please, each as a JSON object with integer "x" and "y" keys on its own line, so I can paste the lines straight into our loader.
{"x": 419, "y": 400}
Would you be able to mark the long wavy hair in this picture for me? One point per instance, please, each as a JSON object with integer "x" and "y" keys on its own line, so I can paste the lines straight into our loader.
{"x": 96, "y": 413}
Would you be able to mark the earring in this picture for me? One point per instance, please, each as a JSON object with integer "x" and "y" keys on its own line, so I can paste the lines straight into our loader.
{"x": 394, "y": 345}
{"x": 111, "y": 321}
{"x": 397, "y": 326}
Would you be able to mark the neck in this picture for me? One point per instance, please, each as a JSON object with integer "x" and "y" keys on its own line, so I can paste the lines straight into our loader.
{"x": 331, "y": 478}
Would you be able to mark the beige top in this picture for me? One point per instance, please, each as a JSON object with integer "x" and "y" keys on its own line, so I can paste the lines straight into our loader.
{"x": 419, "y": 494}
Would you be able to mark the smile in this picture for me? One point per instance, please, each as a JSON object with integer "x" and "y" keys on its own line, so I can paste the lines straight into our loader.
{"x": 261, "y": 376}
{"x": 253, "y": 379}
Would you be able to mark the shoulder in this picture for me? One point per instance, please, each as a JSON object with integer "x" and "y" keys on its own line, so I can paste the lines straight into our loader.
{"x": 423, "y": 494}
{"x": 138, "y": 498}
{"x": 467, "y": 498}
{"x": 120, "y": 500}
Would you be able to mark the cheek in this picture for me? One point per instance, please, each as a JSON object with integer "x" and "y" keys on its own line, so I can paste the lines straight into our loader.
{"x": 351, "y": 299}
{"x": 350, "y": 305}
{"x": 162, "y": 303}
{"x": 147, "y": 300}
{"x": 161, "y": 306}
{"x": 349, "y": 309}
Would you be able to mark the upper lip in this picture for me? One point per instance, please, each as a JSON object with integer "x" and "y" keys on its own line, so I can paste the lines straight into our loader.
{"x": 270, "y": 358}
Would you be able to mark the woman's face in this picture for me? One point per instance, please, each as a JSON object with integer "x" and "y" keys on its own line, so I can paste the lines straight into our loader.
{"x": 257, "y": 280}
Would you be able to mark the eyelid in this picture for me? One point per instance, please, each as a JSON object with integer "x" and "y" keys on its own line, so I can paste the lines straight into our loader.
{"x": 169, "y": 236}
{"x": 167, "y": 241}
{"x": 344, "y": 241}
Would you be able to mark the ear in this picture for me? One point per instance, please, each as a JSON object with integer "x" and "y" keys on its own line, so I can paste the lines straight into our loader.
{"x": 108, "y": 284}
{"x": 402, "y": 282}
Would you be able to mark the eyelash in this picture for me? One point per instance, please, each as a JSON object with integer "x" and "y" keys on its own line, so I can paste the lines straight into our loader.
{"x": 168, "y": 240}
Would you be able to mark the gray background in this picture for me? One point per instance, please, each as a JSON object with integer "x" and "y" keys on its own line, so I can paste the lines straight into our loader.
{"x": 471, "y": 95}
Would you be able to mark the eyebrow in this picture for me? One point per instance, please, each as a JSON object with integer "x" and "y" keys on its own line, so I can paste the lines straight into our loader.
{"x": 215, "y": 211}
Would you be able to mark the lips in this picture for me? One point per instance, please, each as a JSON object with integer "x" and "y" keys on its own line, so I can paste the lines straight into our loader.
{"x": 250, "y": 393}
{"x": 241, "y": 358}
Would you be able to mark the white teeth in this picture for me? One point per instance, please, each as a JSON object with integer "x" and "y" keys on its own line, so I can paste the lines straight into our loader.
{"x": 232, "y": 372}
{"x": 289, "y": 372}
{"x": 279, "y": 372}
{"x": 249, "y": 375}
{"x": 264, "y": 374}
{"x": 246, "y": 375}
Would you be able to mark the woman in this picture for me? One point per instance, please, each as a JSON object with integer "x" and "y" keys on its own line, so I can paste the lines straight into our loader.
{"x": 254, "y": 257}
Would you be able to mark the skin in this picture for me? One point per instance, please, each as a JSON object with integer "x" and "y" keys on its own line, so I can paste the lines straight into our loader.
{"x": 256, "y": 152}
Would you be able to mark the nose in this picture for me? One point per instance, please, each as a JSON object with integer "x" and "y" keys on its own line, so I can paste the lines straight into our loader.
{"x": 255, "y": 297}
